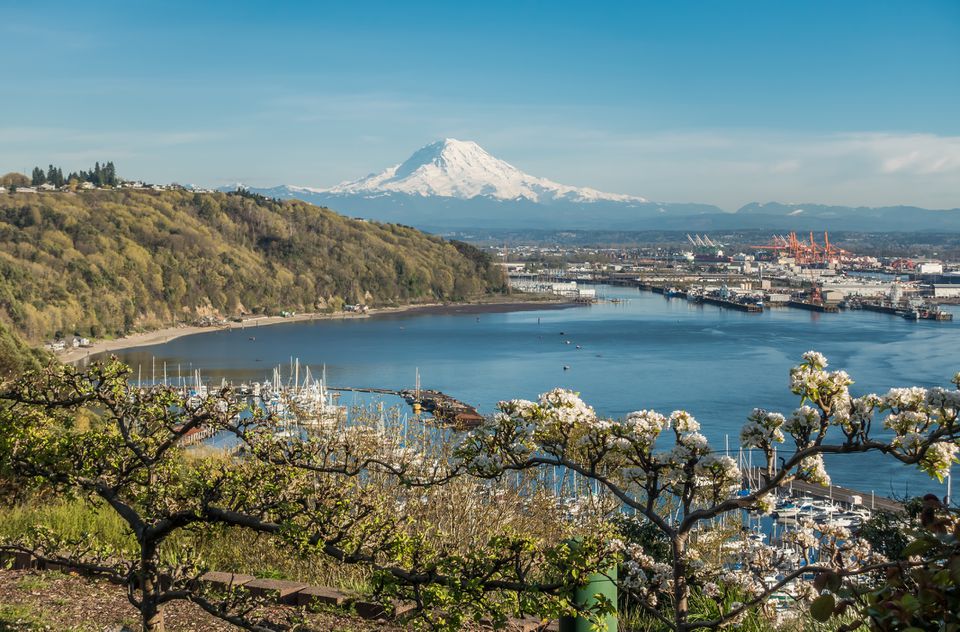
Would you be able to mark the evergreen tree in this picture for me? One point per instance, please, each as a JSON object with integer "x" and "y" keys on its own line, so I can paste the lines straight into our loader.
{"x": 100, "y": 175}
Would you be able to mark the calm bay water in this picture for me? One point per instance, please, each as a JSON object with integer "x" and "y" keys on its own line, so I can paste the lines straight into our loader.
{"x": 647, "y": 352}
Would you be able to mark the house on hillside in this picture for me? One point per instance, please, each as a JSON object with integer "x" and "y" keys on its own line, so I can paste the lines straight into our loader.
{"x": 26, "y": 190}
{"x": 86, "y": 186}
{"x": 46, "y": 187}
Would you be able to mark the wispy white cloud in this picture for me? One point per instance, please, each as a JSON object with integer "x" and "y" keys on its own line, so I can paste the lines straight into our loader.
{"x": 133, "y": 138}
{"x": 735, "y": 166}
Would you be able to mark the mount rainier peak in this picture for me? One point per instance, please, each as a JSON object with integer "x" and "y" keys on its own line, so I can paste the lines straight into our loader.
{"x": 464, "y": 170}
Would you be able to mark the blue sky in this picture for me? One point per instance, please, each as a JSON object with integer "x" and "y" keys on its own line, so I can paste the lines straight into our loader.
{"x": 723, "y": 102}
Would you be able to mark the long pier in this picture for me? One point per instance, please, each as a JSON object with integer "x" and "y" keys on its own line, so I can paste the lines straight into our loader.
{"x": 846, "y": 495}
{"x": 836, "y": 493}
{"x": 355, "y": 389}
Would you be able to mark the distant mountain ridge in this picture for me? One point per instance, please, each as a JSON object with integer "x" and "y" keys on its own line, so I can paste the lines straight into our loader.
{"x": 885, "y": 218}
{"x": 452, "y": 184}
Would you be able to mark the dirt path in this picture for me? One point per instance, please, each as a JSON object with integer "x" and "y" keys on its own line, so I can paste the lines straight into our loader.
{"x": 44, "y": 600}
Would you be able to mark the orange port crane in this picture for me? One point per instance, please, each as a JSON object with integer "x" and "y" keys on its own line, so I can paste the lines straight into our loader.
{"x": 806, "y": 253}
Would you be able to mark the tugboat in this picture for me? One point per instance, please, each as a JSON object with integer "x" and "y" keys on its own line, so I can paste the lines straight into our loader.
{"x": 695, "y": 295}
{"x": 936, "y": 314}
{"x": 927, "y": 312}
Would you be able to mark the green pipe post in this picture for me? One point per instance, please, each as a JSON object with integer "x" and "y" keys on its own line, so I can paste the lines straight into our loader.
{"x": 584, "y": 596}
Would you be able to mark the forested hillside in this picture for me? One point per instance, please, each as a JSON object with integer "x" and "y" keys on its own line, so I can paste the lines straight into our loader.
{"x": 105, "y": 262}
{"x": 16, "y": 356}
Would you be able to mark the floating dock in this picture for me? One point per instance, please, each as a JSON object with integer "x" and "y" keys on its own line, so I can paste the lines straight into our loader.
{"x": 742, "y": 307}
{"x": 877, "y": 307}
{"x": 445, "y": 408}
{"x": 814, "y": 307}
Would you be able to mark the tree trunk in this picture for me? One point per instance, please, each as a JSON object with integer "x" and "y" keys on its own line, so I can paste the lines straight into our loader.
{"x": 150, "y": 611}
{"x": 680, "y": 592}
{"x": 152, "y": 617}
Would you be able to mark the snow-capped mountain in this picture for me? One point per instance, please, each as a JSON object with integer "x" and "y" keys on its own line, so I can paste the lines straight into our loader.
{"x": 455, "y": 184}
{"x": 464, "y": 170}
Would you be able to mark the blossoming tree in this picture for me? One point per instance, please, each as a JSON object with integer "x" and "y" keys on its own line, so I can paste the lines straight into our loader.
{"x": 130, "y": 457}
{"x": 683, "y": 487}
{"x": 358, "y": 494}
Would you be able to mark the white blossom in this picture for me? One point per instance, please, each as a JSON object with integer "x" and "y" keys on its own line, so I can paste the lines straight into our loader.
{"x": 948, "y": 399}
{"x": 815, "y": 359}
{"x": 720, "y": 467}
{"x": 644, "y": 426}
{"x": 811, "y": 469}
{"x": 939, "y": 458}
{"x": 683, "y": 421}
{"x": 803, "y": 421}
{"x": 565, "y": 408}
{"x": 765, "y": 504}
{"x": 911, "y": 397}
{"x": 762, "y": 429}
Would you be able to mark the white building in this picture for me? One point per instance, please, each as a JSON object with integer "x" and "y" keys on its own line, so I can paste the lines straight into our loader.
{"x": 833, "y": 296}
{"x": 545, "y": 287}
{"x": 930, "y": 267}
{"x": 946, "y": 291}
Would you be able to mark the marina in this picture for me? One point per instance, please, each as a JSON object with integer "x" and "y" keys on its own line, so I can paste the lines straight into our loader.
{"x": 312, "y": 402}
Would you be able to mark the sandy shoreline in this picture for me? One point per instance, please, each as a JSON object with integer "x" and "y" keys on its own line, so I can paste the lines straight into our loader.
{"x": 167, "y": 334}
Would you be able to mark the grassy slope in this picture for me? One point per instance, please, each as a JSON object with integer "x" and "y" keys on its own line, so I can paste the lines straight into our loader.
{"x": 104, "y": 263}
